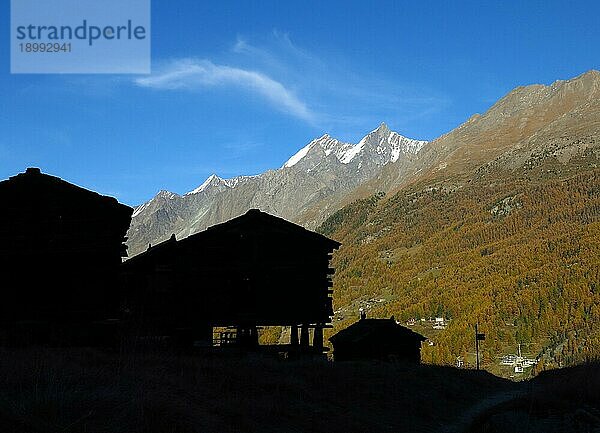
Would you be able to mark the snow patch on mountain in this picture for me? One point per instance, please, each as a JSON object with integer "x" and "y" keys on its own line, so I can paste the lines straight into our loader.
{"x": 351, "y": 153}
{"x": 382, "y": 140}
{"x": 211, "y": 180}
{"x": 299, "y": 155}
{"x": 402, "y": 144}
{"x": 138, "y": 210}
{"x": 214, "y": 180}
{"x": 162, "y": 194}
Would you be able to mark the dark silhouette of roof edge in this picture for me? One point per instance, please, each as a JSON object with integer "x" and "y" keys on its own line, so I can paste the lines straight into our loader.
{"x": 172, "y": 241}
{"x": 365, "y": 327}
{"x": 35, "y": 171}
{"x": 257, "y": 213}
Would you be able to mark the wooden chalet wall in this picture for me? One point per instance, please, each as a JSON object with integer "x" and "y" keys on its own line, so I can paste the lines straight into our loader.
{"x": 254, "y": 270}
{"x": 60, "y": 252}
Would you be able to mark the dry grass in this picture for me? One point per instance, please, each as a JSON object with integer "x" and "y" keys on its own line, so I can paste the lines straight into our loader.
{"x": 88, "y": 390}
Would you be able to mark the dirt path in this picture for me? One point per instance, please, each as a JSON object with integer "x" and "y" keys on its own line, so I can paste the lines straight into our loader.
{"x": 465, "y": 419}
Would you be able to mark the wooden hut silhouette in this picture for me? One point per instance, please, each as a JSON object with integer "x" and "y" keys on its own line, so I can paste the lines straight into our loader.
{"x": 381, "y": 339}
{"x": 60, "y": 254}
{"x": 254, "y": 270}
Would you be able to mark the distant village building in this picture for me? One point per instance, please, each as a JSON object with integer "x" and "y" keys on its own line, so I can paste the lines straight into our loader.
{"x": 381, "y": 339}
{"x": 518, "y": 361}
{"x": 254, "y": 270}
{"x": 60, "y": 255}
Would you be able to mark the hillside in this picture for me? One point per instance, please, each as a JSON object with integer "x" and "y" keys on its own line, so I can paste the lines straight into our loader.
{"x": 501, "y": 226}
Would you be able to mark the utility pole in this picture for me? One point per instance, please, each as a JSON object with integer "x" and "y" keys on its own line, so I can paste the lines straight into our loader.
{"x": 478, "y": 337}
{"x": 477, "y": 346}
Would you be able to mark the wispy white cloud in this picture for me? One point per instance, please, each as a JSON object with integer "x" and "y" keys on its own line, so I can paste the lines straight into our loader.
{"x": 281, "y": 50}
{"x": 345, "y": 96}
{"x": 243, "y": 47}
{"x": 198, "y": 73}
{"x": 324, "y": 89}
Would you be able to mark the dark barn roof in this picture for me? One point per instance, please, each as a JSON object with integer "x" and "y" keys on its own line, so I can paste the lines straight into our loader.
{"x": 368, "y": 328}
{"x": 377, "y": 339}
{"x": 39, "y": 189}
{"x": 253, "y": 223}
{"x": 35, "y": 207}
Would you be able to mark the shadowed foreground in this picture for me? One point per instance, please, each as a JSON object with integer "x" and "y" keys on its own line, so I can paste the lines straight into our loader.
{"x": 566, "y": 400}
{"x": 77, "y": 390}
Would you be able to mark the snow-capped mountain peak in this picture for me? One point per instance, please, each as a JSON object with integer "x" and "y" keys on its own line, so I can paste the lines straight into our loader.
{"x": 389, "y": 145}
{"x": 161, "y": 196}
{"x": 382, "y": 141}
{"x": 212, "y": 180}
{"x": 325, "y": 142}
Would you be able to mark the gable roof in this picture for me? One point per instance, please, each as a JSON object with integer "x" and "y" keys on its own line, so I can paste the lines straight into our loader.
{"x": 167, "y": 247}
{"x": 254, "y": 222}
{"x": 367, "y": 328}
{"x": 34, "y": 188}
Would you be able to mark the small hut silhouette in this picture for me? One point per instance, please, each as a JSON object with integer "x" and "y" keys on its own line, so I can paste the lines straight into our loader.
{"x": 60, "y": 255}
{"x": 254, "y": 270}
{"x": 381, "y": 339}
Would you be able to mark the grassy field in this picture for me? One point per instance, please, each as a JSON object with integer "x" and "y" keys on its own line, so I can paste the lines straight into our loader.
{"x": 88, "y": 390}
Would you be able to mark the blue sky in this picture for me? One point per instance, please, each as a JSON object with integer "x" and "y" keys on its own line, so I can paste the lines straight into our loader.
{"x": 237, "y": 87}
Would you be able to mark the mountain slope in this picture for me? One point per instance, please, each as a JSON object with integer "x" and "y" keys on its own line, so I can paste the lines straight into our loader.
{"x": 500, "y": 225}
{"x": 307, "y": 188}
{"x": 525, "y": 117}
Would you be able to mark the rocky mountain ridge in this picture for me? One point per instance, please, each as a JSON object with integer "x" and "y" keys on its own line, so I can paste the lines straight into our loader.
{"x": 306, "y": 189}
